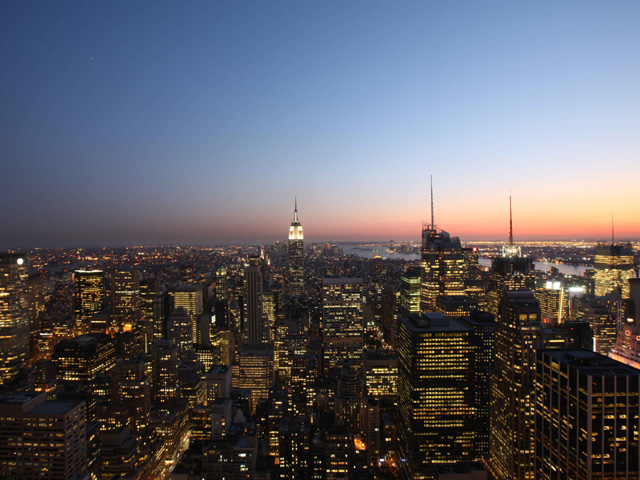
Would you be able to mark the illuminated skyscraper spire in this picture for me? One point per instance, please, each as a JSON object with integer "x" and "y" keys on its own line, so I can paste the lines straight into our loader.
{"x": 511, "y": 250}
{"x": 296, "y": 254}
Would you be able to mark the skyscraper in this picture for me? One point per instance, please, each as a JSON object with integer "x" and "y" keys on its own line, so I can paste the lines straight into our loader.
{"x": 342, "y": 319}
{"x": 190, "y": 298}
{"x": 613, "y": 268}
{"x": 483, "y": 327}
{"x": 125, "y": 299}
{"x": 253, "y": 370}
{"x": 257, "y": 331}
{"x": 81, "y": 358}
{"x": 165, "y": 373}
{"x": 295, "y": 250}
{"x": 509, "y": 271}
{"x": 435, "y": 398}
{"x": 42, "y": 439}
{"x": 88, "y": 298}
{"x": 587, "y": 416}
{"x": 410, "y": 291}
{"x": 14, "y": 315}
{"x": 442, "y": 263}
{"x": 517, "y": 337}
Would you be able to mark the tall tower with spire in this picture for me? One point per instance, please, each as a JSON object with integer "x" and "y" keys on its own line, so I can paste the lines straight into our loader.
{"x": 442, "y": 264}
{"x": 510, "y": 270}
{"x": 295, "y": 252}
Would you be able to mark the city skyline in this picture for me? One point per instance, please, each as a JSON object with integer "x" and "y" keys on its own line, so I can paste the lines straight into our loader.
{"x": 165, "y": 124}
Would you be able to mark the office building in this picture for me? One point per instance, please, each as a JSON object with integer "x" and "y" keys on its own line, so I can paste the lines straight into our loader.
{"x": 14, "y": 316}
{"x": 342, "y": 323}
{"x": 253, "y": 370}
{"x": 443, "y": 266}
{"x": 587, "y": 416}
{"x": 517, "y": 337}
{"x": 435, "y": 398}
{"x": 381, "y": 373}
{"x": 82, "y": 358}
{"x": 256, "y": 330}
{"x": 217, "y": 383}
{"x": 88, "y": 298}
{"x": 456, "y": 305}
{"x": 190, "y": 298}
{"x": 410, "y": 291}
{"x": 42, "y": 439}
{"x": 509, "y": 271}
{"x": 295, "y": 256}
{"x": 482, "y": 326}
{"x": 613, "y": 265}
{"x": 165, "y": 373}
{"x": 179, "y": 330}
{"x": 134, "y": 392}
{"x": 125, "y": 299}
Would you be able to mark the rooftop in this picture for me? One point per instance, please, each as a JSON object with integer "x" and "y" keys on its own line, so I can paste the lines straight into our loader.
{"x": 341, "y": 280}
{"x": 54, "y": 407}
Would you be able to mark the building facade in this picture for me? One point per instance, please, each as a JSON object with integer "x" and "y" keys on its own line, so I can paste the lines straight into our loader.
{"x": 14, "y": 316}
{"x": 517, "y": 337}
{"x": 587, "y": 416}
{"x": 435, "y": 398}
{"x": 343, "y": 328}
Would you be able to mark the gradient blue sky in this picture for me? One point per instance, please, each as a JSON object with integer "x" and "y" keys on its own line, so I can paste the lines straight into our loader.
{"x": 165, "y": 122}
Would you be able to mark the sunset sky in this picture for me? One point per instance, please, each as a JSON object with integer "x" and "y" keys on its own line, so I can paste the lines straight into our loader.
{"x": 188, "y": 122}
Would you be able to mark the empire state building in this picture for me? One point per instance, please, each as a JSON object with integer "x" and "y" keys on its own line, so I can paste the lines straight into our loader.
{"x": 296, "y": 255}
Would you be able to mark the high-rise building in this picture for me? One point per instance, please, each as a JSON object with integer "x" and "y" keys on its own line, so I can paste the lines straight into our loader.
{"x": 179, "y": 330}
{"x": 456, "y": 305}
{"x": 257, "y": 331}
{"x": 554, "y": 301}
{"x": 604, "y": 327}
{"x": 222, "y": 285}
{"x": 342, "y": 323}
{"x": 253, "y": 370}
{"x": 587, "y": 417}
{"x": 435, "y": 398}
{"x": 443, "y": 266}
{"x": 270, "y": 311}
{"x": 613, "y": 264}
{"x": 483, "y": 326}
{"x": 410, "y": 291}
{"x": 509, "y": 271}
{"x": 295, "y": 251}
{"x": 190, "y": 298}
{"x": 381, "y": 373}
{"x": 517, "y": 337}
{"x": 349, "y": 400}
{"x": 14, "y": 315}
{"x": 88, "y": 298}
{"x": 125, "y": 299}
{"x": 165, "y": 373}
{"x": 42, "y": 439}
{"x": 81, "y": 358}
{"x": 134, "y": 392}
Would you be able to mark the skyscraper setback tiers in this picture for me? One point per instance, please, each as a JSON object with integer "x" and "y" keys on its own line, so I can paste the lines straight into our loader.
{"x": 294, "y": 361}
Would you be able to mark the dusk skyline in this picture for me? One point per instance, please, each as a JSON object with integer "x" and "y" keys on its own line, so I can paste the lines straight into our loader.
{"x": 163, "y": 123}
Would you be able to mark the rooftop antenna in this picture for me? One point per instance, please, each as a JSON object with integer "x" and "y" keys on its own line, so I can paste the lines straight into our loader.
{"x": 432, "y": 223}
{"x": 612, "y": 237}
{"x": 295, "y": 209}
{"x": 510, "y": 221}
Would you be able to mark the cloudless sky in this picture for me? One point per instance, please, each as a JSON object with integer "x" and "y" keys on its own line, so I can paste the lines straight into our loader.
{"x": 185, "y": 122}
